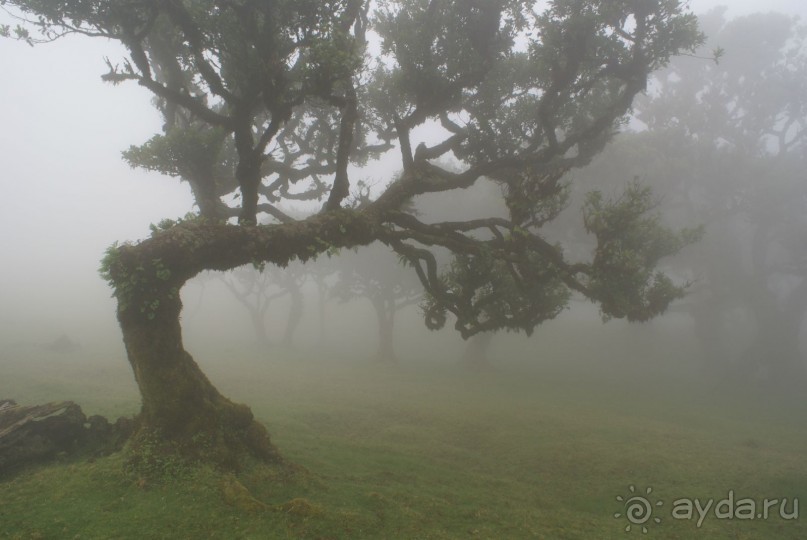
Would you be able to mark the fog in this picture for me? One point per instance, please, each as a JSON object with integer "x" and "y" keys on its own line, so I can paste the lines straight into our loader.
{"x": 68, "y": 195}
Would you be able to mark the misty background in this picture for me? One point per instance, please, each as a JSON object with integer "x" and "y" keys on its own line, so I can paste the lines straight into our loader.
{"x": 69, "y": 195}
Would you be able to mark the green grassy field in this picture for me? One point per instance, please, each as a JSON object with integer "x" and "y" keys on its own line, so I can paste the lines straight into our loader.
{"x": 539, "y": 447}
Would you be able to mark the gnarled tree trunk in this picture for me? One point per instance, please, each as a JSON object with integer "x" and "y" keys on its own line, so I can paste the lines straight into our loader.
{"x": 181, "y": 410}
{"x": 183, "y": 415}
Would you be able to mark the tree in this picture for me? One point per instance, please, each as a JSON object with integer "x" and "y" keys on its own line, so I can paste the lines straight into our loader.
{"x": 724, "y": 145}
{"x": 515, "y": 95}
{"x": 258, "y": 288}
{"x": 388, "y": 286}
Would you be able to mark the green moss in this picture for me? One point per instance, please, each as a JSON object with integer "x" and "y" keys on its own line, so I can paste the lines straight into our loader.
{"x": 160, "y": 270}
{"x": 235, "y": 494}
{"x": 168, "y": 224}
{"x": 110, "y": 260}
{"x": 149, "y": 457}
{"x": 300, "y": 507}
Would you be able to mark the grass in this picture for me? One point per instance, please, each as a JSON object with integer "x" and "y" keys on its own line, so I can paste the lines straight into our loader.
{"x": 425, "y": 450}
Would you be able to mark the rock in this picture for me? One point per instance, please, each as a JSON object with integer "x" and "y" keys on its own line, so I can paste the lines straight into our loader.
{"x": 39, "y": 433}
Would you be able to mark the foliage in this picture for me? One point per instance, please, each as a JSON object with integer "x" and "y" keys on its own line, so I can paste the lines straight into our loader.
{"x": 183, "y": 153}
{"x": 283, "y": 92}
{"x": 140, "y": 287}
{"x": 491, "y": 294}
{"x": 630, "y": 243}
{"x": 724, "y": 145}
{"x": 283, "y": 99}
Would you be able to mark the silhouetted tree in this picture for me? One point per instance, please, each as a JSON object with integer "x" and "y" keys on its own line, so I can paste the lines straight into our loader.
{"x": 725, "y": 145}
{"x": 516, "y": 96}
{"x": 258, "y": 289}
{"x": 376, "y": 275}
{"x": 323, "y": 275}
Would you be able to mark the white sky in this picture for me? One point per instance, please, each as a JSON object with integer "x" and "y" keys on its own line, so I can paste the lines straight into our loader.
{"x": 66, "y": 194}
{"x": 739, "y": 7}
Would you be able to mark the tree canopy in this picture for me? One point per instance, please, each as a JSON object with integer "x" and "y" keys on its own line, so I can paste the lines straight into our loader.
{"x": 282, "y": 100}
{"x": 724, "y": 144}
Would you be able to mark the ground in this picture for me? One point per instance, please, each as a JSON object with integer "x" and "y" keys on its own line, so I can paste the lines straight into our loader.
{"x": 539, "y": 447}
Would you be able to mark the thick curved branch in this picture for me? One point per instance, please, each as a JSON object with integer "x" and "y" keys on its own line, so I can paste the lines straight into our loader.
{"x": 403, "y": 139}
{"x": 341, "y": 182}
{"x": 267, "y": 208}
{"x": 424, "y": 152}
{"x": 190, "y": 248}
{"x": 448, "y": 235}
{"x": 184, "y": 21}
{"x": 193, "y": 104}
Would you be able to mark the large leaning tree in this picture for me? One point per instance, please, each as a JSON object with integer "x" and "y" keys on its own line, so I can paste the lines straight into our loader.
{"x": 510, "y": 91}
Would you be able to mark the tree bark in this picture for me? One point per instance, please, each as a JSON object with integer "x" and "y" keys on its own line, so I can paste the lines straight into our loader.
{"x": 183, "y": 415}
{"x": 181, "y": 410}
{"x": 205, "y": 193}
{"x": 248, "y": 174}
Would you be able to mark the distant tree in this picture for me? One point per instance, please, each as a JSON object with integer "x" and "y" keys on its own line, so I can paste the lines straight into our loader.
{"x": 725, "y": 145}
{"x": 322, "y": 273}
{"x": 254, "y": 291}
{"x": 292, "y": 281}
{"x": 519, "y": 96}
{"x": 748, "y": 115}
{"x": 377, "y": 276}
{"x": 258, "y": 289}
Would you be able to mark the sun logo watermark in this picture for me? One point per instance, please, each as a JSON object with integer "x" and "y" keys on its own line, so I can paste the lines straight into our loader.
{"x": 642, "y": 510}
{"x": 638, "y": 509}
